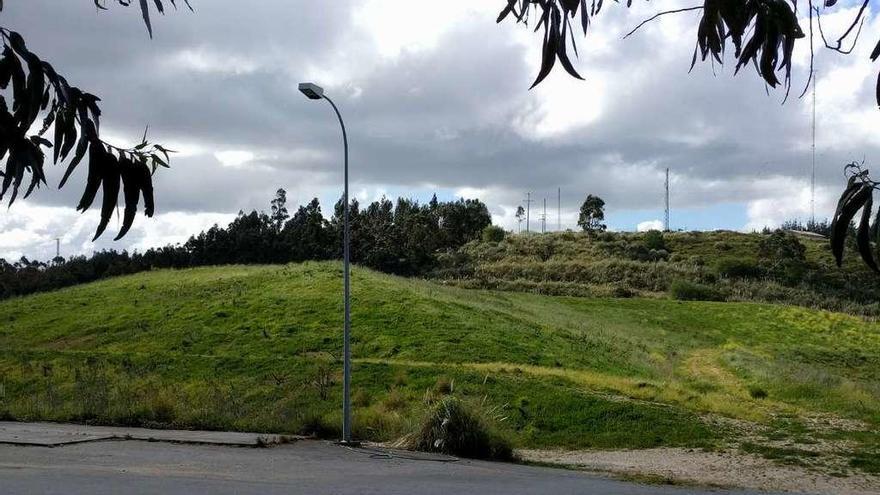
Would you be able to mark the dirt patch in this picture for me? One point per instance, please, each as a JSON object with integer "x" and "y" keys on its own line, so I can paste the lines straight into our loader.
{"x": 692, "y": 466}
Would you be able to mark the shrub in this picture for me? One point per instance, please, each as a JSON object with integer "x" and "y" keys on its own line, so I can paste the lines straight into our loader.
{"x": 493, "y": 233}
{"x": 622, "y": 292}
{"x": 784, "y": 257}
{"x": 737, "y": 268}
{"x": 757, "y": 392}
{"x": 654, "y": 240}
{"x": 683, "y": 290}
{"x": 723, "y": 246}
{"x": 452, "y": 427}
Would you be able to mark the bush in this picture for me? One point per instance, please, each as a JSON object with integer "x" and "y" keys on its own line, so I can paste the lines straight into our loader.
{"x": 493, "y": 233}
{"x": 723, "y": 246}
{"x": 737, "y": 268}
{"x": 451, "y": 427}
{"x": 757, "y": 392}
{"x": 784, "y": 257}
{"x": 689, "y": 291}
{"x": 654, "y": 240}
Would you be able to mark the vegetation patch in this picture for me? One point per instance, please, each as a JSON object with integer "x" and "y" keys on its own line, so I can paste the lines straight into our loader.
{"x": 683, "y": 290}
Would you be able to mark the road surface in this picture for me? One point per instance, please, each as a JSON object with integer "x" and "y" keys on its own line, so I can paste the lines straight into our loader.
{"x": 307, "y": 467}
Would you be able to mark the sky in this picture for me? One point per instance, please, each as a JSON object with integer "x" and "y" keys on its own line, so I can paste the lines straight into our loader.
{"x": 437, "y": 100}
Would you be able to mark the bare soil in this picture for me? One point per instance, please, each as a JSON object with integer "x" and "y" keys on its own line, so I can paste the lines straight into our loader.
{"x": 724, "y": 469}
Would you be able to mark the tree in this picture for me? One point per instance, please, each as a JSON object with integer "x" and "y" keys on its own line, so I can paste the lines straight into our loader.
{"x": 37, "y": 90}
{"x": 592, "y": 214}
{"x": 520, "y": 217}
{"x": 279, "y": 209}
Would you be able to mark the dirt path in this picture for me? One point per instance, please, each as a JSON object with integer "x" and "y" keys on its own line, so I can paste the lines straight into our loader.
{"x": 728, "y": 469}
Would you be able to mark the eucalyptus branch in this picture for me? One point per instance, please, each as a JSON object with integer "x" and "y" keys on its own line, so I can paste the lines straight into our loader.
{"x": 655, "y": 16}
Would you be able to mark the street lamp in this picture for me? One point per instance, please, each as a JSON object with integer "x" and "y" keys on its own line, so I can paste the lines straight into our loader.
{"x": 315, "y": 92}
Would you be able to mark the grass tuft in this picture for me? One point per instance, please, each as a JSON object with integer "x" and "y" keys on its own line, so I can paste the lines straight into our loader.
{"x": 455, "y": 428}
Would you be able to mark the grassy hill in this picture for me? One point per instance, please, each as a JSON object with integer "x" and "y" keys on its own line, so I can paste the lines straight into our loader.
{"x": 726, "y": 265}
{"x": 253, "y": 348}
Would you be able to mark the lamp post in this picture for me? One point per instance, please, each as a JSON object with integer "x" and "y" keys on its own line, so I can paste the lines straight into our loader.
{"x": 315, "y": 92}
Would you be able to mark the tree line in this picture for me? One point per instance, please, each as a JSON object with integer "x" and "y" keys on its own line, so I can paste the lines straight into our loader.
{"x": 402, "y": 237}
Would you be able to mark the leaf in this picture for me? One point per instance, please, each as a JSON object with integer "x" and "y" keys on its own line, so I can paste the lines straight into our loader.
{"x": 863, "y": 236}
{"x": 585, "y": 17}
{"x": 507, "y": 10}
{"x": 548, "y": 58}
{"x": 131, "y": 188}
{"x": 875, "y": 52}
{"x": 563, "y": 57}
{"x": 59, "y": 134}
{"x": 81, "y": 149}
{"x": 853, "y": 199}
{"x": 878, "y": 90}
{"x": 110, "y": 177}
{"x": 69, "y": 137}
{"x": 570, "y": 5}
{"x": 147, "y": 189}
{"x": 145, "y": 12}
{"x": 93, "y": 181}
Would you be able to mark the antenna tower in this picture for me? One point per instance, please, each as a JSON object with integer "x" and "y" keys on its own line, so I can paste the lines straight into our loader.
{"x": 666, "y": 217}
{"x": 528, "y": 210}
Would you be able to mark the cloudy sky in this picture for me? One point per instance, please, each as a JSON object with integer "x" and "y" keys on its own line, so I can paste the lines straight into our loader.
{"x": 436, "y": 98}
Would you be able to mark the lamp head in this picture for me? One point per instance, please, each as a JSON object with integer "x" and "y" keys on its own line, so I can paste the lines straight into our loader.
{"x": 312, "y": 91}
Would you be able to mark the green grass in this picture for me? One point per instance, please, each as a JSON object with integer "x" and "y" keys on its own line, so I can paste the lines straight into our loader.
{"x": 253, "y": 348}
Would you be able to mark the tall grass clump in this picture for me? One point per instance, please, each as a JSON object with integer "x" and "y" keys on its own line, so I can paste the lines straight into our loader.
{"x": 453, "y": 427}
{"x": 683, "y": 290}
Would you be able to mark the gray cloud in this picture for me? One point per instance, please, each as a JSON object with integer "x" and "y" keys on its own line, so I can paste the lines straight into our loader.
{"x": 453, "y": 115}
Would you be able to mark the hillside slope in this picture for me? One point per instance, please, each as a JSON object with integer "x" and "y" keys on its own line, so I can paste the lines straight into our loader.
{"x": 785, "y": 267}
{"x": 253, "y": 348}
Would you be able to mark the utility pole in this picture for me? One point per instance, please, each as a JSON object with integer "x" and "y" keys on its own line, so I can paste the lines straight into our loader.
{"x": 559, "y": 209}
{"x": 544, "y": 218}
{"x": 813, "y": 174}
{"x": 666, "y": 217}
{"x": 528, "y": 210}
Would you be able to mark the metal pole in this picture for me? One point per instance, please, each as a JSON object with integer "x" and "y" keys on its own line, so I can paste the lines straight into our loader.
{"x": 528, "y": 210}
{"x": 813, "y": 151}
{"x": 544, "y": 218}
{"x": 346, "y": 380}
{"x": 666, "y": 216}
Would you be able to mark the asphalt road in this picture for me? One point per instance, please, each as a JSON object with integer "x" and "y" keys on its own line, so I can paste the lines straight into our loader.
{"x": 313, "y": 467}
